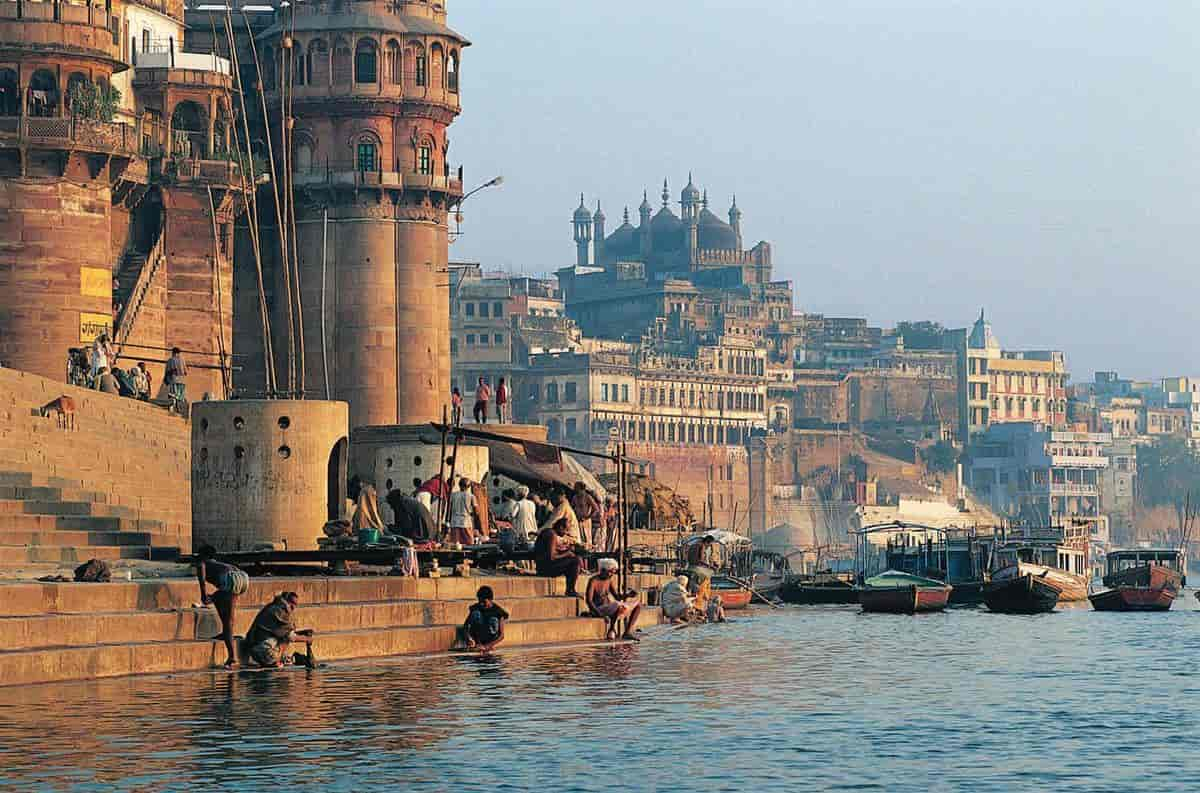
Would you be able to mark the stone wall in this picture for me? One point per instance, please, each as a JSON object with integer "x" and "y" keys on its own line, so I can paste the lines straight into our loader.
{"x": 136, "y": 453}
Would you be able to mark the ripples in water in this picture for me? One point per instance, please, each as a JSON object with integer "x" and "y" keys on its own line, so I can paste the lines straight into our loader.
{"x": 821, "y": 698}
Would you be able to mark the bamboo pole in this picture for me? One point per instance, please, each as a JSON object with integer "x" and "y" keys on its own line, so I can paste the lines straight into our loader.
{"x": 442, "y": 467}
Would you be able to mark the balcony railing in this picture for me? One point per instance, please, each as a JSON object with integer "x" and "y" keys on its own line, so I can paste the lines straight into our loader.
{"x": 71, "y": 132}
{"x": 352, "y": 173}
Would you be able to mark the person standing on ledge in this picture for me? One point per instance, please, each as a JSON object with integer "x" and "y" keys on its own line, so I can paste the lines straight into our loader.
{"x": 176, "y": 376}
{"x": 483, "y": 395}
{"x": 456, "y": 406}
{"x": 231, "y": 583}
{"x": 502, "y": 402}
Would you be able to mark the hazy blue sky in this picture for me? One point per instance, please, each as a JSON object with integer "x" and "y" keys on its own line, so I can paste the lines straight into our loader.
{"x": 905, "y": 159}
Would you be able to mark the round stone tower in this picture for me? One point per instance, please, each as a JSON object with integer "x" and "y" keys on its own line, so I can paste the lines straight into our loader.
{"x": 374, "y": 86}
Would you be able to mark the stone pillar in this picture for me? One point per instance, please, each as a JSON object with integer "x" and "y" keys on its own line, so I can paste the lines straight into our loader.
{"x": 267, "y": 472}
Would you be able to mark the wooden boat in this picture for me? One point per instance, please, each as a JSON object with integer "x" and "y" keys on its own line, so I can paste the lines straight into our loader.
{"x": 1051, "y": 556}
{"x": 895, "y": 592}
{"x": 1022, "y": 594}
{"x": 1133, "y": 598}
{"x": 1071, "y": 588}
{"x": 733, "y": 595}
{"x": 817, "y": 590}
{"x": 1153, "y": 568}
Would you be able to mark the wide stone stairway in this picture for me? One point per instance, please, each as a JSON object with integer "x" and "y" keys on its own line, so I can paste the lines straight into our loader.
{"x": 68, "y": 631}
{"x": 113, "y": 484}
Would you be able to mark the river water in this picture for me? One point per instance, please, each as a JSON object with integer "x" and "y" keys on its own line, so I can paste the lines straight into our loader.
{"x": 819, "y": 698}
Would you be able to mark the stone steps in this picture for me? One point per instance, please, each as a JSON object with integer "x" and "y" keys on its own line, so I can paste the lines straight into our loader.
{"x": 69, "y": 554}
{"x": 123, "y": 627}
{"x": 86, "y": 508}
{"x": 66, "y": 631}
{"x": 19, "y": 537}
{"x": 26, "y": 667}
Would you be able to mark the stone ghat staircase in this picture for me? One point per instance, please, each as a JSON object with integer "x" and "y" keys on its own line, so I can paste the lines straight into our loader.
{"x": 54, "y": 632}
{"x": 116, "y": 486}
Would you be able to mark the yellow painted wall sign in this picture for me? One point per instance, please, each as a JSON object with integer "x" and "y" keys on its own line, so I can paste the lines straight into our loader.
{"x": 95, "y": 282}
{"x": 92, "y": 325}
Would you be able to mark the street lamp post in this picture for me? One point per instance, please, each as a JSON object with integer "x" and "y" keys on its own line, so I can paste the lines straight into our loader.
{"x": 458, "y": 218}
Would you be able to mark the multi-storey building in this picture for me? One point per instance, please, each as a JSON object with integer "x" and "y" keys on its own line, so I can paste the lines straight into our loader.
{"x": 115, "y": 167}
{"x": 998, "y": 386}
{"x": 1038, "y": 475}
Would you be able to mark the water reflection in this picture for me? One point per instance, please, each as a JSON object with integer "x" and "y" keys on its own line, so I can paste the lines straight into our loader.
{"x": 821, "y": 698}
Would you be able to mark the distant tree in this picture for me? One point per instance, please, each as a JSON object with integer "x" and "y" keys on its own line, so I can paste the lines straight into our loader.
{"x": 1168, "y": 470}
{"x": 940, "y": 457}
{"x": 923, "y": 335}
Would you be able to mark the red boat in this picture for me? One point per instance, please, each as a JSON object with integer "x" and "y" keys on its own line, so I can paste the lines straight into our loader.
{"x": 895, "y": 592}
{"x": 733, "y": 595}
{"x": 1152, "y": 568}
{"x": 1133, "y": 598}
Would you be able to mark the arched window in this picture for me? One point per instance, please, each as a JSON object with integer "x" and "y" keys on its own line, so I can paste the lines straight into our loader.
{"x": 366, "y": 155}
{"x": 10, "y": 100}
{"x": 43, "y": 93}
{"x": 366, "y": 62}
{"x": 304, "y": 153}
{"x": 395, "y": 64}
{"x": 416, "y": 65}
{"x": 189, "y": 130}
{"x": 452, "y": 72}
{"x": 318, "y": 62}
{"x": 301, "y": 71}
{"x": 78, "y": 90}
{"x": 437, "y": 64}
{"x": 341, "y": 62}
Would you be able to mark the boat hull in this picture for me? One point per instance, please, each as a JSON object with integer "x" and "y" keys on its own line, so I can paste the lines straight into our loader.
{"x": 966, "y": 593}
{"x": 1149, "y": 576}
{"x": 1027, "y": 594}
{"x": 733, "y": 595}
{"x": 1072, "y": 588}
{"x": 1129, "y": 598}
{"x": 904, "y": 600}
{"x": 809, "y": 595}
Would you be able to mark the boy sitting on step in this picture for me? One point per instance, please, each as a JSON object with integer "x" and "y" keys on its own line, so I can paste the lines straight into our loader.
{"x": 484, "y": 627}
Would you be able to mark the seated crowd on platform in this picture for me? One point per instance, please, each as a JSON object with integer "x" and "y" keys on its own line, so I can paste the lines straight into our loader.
{"x": 96, "y": 368}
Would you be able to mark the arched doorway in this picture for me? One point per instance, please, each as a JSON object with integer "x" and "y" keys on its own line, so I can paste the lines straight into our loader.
{"x": 43, "y": 94}
{"x": 189, "y": 130}
{"x": 335, "y": 479}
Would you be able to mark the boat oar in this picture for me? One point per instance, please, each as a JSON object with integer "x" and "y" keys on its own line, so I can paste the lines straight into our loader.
{"x": 755, "y": 592}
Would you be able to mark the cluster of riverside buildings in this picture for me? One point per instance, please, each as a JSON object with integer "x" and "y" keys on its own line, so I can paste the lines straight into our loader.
{"x": 671, "y": 334}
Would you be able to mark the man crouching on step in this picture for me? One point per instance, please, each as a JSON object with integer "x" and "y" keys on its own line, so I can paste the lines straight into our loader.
{"x": 274, "y": 631}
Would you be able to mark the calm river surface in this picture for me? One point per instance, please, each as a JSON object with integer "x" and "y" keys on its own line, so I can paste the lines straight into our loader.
{"x": 816, "y": 698}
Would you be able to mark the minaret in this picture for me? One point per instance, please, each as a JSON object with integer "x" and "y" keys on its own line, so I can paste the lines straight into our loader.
{"x": 647, "y": 236}
{"x": 689, "y": 200}
{"x": 598, "y": 235}
{"x": 735, "y": 220}
{"x": 583, "y": 233}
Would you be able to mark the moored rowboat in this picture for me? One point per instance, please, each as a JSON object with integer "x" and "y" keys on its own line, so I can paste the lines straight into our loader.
{"x": 1071, "y": 587}
{"x": 733, "y": 595}
{"x": 895, "y": 592}
{"x": 1026, "y": 594}
{"x": 1133, "y": 598}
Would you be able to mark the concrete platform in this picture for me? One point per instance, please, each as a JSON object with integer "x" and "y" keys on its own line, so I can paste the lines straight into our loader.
{"x": 66, "y": 631}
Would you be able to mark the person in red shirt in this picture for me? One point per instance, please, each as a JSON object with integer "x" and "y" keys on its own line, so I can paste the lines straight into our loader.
{"x": 502, "y": 402}
{"x": 483, "y": 395}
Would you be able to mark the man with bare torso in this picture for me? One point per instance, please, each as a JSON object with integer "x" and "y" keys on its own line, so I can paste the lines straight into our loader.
{"x": 607, "y": 601}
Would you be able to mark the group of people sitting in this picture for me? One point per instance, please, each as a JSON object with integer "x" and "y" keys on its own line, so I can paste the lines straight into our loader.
{"x": 97, "y": 368}
{"x": 683, "y": 602}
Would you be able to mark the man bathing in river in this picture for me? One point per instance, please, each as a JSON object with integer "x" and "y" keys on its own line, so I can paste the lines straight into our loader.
{"x": 274, "y": 632}
{"x": 484, "y": 628}
{"x": 605, "y": 600}
{"x": 231, "y": 583}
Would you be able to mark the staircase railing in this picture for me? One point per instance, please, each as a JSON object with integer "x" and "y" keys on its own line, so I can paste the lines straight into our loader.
{"x": 137, "y": 295}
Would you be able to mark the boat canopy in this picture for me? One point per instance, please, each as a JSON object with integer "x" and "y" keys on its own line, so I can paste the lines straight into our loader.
{"x": 720, "y": 536}
{"x": 898, "y": 578}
